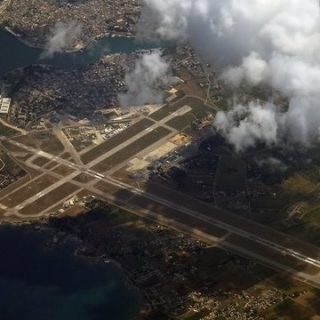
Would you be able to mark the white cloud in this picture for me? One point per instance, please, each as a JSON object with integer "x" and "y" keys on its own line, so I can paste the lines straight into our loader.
{"x": 62, "y": 37}
{"x": 258, "y": 41}
{"x": 146, "y": 81}
{"x": 253, "y": 68}
{"x": 246, "y": 125}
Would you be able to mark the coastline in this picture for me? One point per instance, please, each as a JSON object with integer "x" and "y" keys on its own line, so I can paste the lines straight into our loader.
{"x": 43, "y": 225}
{"x": 21, "y": 53}
{"x": 80, "y": 249}
{"x": 107, "y": 260}
{"x": 77, "y": 48}
{"x": 108, "y": 282}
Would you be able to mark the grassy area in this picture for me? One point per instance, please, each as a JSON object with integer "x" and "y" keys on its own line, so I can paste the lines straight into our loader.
{"x": 63, "y": 170}
{"x": 51, "y": 165}
{"x": 166, "y": 110}
{"x": 308, "y": 227}
{"x": 13, "y": 186}
{"x": 181, "y": 122}
{"x": 222, "y": 102}
{"x": 289, "y": 309}
{"x": 132, "y": 149}
{"x": 10, "y": 164}
{"x": 49, "y": 199}
{"x": 51, "y": 144}
{"x": 28, "y": 191}
{"x": 66, "y": 155}
{"x": 121, "y": 194}
{"x": 299, "y": 185}
{"x": 40, "y": 161}
{"x": 26, "y": 140}
{"x": 277, "y": 203}
{"x": 81, "y": 145}
{"x": 191, "y": 85}
{"x": 6, "y": 131}
{"x": 112, "y": 212}
{"x": 199, "y": 109}
{"x": 12, "y": 148}
{"x": 116, "y": 140}
{"x": 313, "y": 217}
{"x": 83, "y": 178}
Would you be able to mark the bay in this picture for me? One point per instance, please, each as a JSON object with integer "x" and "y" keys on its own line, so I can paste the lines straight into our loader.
{"x": 16, "y": 54}
{"x": 38, "y": 283}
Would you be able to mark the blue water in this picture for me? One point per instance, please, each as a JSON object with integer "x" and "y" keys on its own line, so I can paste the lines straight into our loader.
{"x": 15, "y": 54}
{"x": 37, "y": 283}
{"x": 52, "y": 284}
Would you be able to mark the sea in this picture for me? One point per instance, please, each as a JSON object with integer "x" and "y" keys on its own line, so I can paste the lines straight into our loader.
{"x": 41, "y": 283}
{"x": 16, "y": 54}
{"x": 37, "y": 283}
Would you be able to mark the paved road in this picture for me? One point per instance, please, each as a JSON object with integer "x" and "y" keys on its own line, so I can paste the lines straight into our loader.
{"x": 134, "y": 138}
{"x": 145, "y": 151}
{"x": 208, "y": 236}
{"x": 67, "y": 144}
{"x": 283, "y": 249}
{"x": 13, "y": 127}
{"x": 46, "y": 191}
{"x": 279, "y": 243}
{"x": 275, "y": 245}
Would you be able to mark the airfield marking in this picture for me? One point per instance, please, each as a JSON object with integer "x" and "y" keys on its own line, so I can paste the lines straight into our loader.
{"x": 99, "y": 176}
{"x": 180, "y": 208}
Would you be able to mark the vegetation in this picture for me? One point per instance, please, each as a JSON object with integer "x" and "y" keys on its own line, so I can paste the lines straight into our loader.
{"x": 6, "y": 131}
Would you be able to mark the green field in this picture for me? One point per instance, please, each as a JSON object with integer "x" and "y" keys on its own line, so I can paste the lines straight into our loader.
{"x": 181, "y": 122}
{"x": 166, "y": 111}
{"x": 40, "y": 161}
{"x": 63, "y": 170}
{"x": 199, "y": 109}
{"x": 289, "y": 309}
{"x": 28, "y": 190}
{"x": 10, "y": 164}
{"x": 6, "y": 131}
{"x": 116, "y": 140}
{"x": 132, "y": 149}
{"x": 49, "y": 199}
{"x": 83, "y": 178}
{"x": 49, "y": 143}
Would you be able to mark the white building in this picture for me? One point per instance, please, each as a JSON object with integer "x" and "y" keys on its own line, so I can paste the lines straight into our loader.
{"x": 5, "y": 104}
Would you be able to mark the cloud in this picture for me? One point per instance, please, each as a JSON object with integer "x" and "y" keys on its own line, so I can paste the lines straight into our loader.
{"x": 253, "y": 68}
{"x": 146, "y": 81}
{"x": 276, "y": 43}
{"x": 246, "y": 125}
{"x": 62, "y": 37}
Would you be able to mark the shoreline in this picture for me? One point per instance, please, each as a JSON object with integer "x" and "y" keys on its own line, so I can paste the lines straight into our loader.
{"x": 43, "y": 225}
{"x": 79, "y": 253}
{"x": 81, "y": 47}
{"x": 69, "y": 238}
{"x": 107, "y": 260}
{"x": 68, "y": 244}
